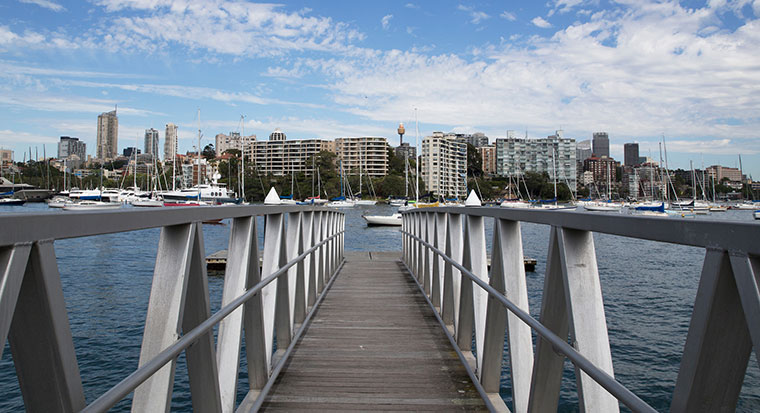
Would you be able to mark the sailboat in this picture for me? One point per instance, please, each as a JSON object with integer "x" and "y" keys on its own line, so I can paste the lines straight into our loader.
{"x": 512, "y": 201}
{"x": 342, "y": 201}
{"x": 608, "y": 206}
{"x": 551, "y": 204}
{"x": 364, "y": 202}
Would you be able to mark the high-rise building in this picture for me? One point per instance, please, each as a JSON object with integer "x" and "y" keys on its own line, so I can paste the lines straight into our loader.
{"x": 583, "y": 150}
{"x": 443, "y": 165}
{"x": 69, "y": 146}
{"x": 600, "y": 167}
{"x": 108, "y": 135}
{"x": 601, "y": 144}
{"x": 476, "y": 139}
{"x": 170, "y": 142}
{"x": 367, "y": 154}
{"x": 130, "y": 151}
{"x": 631, "y": 154}
{"x": 488, "y": 157}
{"x": 515, "y": 156}
{"x": 232, "y": 141}
{"x": 151, "y": 142}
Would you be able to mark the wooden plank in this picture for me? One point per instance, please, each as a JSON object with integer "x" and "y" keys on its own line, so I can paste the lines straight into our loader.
{"x": 374, "y": 344}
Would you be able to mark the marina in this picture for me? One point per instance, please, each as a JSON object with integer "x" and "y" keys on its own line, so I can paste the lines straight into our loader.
{"x": 649, "y": 290}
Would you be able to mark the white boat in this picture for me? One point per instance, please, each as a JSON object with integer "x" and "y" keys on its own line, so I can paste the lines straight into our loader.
{"x": 88, "y": 205}
{"x": 746, "y": 205}
{"x": 387, "y": 220}
{"x": 216, "y": 193}
{"x": 514, "y": 204}
{"x": 341, "y": 203}
{"x": 58, "y": 202}
{"x": 397, "y": 202}
{"x": 365, "y": 202}
{"x": 603, "y": 206}
{"x": 756, "y": 214}
{"x": 147, "y": 203}
{"x": 85, "y": 194}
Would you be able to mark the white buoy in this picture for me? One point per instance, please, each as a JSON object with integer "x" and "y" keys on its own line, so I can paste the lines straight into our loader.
{"x": 472, "y": 200}
{"x": 273, "y": 198}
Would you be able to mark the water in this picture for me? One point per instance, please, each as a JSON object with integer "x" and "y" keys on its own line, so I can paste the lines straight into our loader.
{"x": 648, "y": 290}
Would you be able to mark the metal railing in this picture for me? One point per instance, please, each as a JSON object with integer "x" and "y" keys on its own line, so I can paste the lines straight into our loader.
{"x": 446, "y": 253}
{"x": 303, "y": 249}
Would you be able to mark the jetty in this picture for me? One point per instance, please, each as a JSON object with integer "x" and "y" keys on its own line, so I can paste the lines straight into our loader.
{"x": 432, "y": 326}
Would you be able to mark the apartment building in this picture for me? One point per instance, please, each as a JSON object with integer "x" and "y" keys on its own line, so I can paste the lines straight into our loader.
{"x": 366, "y": 154}
{"x": 443, "y": 166}
{"x": 515, "y": 156}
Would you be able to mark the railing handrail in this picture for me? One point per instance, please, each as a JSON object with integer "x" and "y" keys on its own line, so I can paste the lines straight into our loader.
{"x": 305, "y": 243}
{"x": 726, "y": 235}
{"x": 21, "y": 228}
{"x": 137, "y": 377}
{"x": 605, "y": 380}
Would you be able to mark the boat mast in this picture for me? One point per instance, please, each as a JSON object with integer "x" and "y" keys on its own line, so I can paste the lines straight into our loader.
{"x": 416, "y": 161}
{"x": 554, "y": 170}
{"x": 242, "y": 158}
{"x": 199, "y": 154}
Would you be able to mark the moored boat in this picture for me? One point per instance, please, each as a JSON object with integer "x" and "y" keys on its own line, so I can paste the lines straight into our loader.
{"x": 385, "y": 220}
{"x": 88, "y": 205}
{"x": 11, "y": 201}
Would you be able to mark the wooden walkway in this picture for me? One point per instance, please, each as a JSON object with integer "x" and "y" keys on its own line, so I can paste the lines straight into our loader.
{"x": 374, "y": 344}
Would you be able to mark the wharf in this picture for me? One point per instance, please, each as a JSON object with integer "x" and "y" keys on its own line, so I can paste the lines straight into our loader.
{"x": 374, "y": 344}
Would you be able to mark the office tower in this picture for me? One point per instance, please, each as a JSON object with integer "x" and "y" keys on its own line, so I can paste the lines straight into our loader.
{"x": 69, "y": 146}
{"x": 443, "y": 165}
{"x": 151, "y": 142}
{"x": 170, "y": 142}
{"x": 583, "y": 150}
{"x": 631, "y": 154}
{"x": 108, "y": 135}
{"x": 601, "y": 144}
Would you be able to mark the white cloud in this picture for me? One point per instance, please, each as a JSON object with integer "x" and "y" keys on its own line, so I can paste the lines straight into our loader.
{"x": 48, "y": 4}
{"x": 12, "y": 138}
{"x": 411, "y": 6}
{"x": 508, "y": 15}
{"x": 625, "y": 71}
{"x": 224, "y": 27}
{"x": 13, "y": 68}
{"x": 540, "y": 22}
{"x": 386, "y": 21}
{"x": 475, "y": 16}
{"x": 54, "y": 103}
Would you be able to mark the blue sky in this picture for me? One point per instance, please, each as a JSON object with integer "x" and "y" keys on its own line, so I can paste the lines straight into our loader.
{"x": 637, "y": 69}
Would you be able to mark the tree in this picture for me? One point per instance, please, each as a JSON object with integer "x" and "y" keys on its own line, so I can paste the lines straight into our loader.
{"x": 474, "y": 161}
{"x": 208, "y": 152}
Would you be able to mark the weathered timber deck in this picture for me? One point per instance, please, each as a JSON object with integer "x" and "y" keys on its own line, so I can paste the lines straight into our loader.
{"x": 374, "y": 344}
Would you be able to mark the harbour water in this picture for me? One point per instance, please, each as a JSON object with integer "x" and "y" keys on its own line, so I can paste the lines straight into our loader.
{"x": 648, "y": 289}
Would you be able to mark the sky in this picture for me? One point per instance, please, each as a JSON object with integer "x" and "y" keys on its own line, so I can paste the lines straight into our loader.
{"x": 643, "y": 71}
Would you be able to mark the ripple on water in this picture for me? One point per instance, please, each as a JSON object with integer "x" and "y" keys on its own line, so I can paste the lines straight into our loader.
{"x": 648, "y": 287}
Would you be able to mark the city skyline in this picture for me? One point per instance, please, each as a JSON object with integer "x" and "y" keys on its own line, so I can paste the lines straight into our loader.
{"x": 638, "y": 72}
